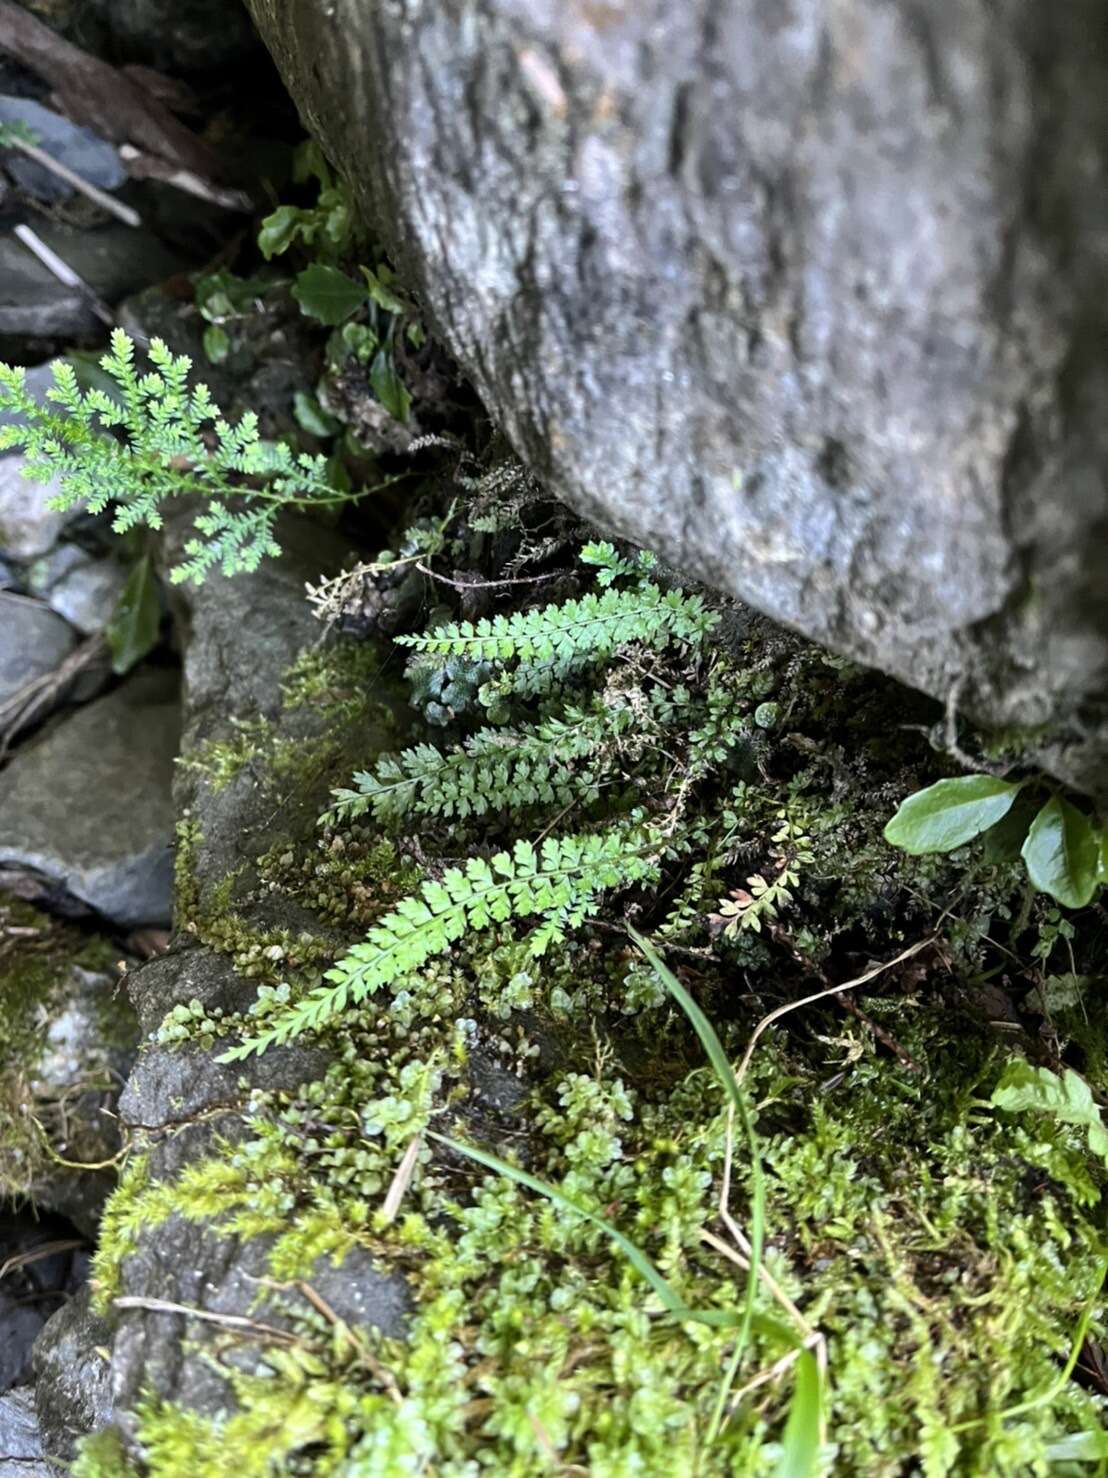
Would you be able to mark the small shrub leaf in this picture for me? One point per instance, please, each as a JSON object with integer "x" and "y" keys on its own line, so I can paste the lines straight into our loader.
{"x": 327, "y": 294}
{"x": 1061, "y": 853}
{"x": 950, "y": 813}
{"x": 133, "y": 628}
{"x": 1067, "y": 1097}
{"x": 800, "y": 1448}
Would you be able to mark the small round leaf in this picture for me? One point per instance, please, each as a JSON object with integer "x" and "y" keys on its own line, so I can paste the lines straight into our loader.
{"x": 1062, "y": 854}
{"x": 950, "y": 813}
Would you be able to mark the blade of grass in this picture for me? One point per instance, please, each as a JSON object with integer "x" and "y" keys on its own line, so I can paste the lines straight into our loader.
{"x": 801, "y": 1443}
{"x": 721, "y": 1066}
{"x": 716, "y": 1318}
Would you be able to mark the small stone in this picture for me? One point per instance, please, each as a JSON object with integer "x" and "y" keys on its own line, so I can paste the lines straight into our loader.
{"x": 33, "y": 642}
{"x": 89, "y": 805}
{"x": 83, "y": 151}
{"x": 20, "y": 1439}
{"x": 88, "y": 594}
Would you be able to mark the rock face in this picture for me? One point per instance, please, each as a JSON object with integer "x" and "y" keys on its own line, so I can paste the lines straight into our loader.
{"x": 807, "y": 298}
{"x": 89, "y": 805}
{"x": 33, "y": 641}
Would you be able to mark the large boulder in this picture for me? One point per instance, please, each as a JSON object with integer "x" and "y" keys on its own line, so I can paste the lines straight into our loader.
{"x": 810, "y": 298}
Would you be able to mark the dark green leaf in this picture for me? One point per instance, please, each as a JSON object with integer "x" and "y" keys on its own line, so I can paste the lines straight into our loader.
{"x": 278, "y": 231}
{"x": 1062, "y": 854}
{"x": 388, "y": 386}
{"x": 800, "y": 1447}
{"x": 311, "y": 415}
{"x": 217, "y": 344}
{"x": 950, "y": 813}
{"x": 136, "y": 620}
{"x": 1004, "y": 840}
{"x": 327, "y": 294}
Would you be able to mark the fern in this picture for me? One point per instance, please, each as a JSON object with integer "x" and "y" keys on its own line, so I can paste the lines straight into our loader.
{"x": 558, "y": 884}
{"x": 557, "y": 762}
{"x": 173, "y": 441}
{"x": 557, "y": 641}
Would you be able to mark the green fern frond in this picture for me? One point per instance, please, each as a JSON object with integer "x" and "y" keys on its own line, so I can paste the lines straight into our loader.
{"x": 559, "y": 884}
{"x": 557, "y": 640}
{"x": 557, "y": 762}
{"x": 152, "y": 441}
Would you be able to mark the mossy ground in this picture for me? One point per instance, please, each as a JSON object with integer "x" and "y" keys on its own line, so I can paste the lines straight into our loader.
{"x": 945, "y": 1251}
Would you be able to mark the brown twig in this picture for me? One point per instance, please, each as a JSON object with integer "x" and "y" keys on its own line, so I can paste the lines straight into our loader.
{"x": 35, "y": 698}
{"x": 831, "y": 990}
{"x": 105, "y": 201}
{"x": 229, "y": 1321}
{"x": 485, "y": 584}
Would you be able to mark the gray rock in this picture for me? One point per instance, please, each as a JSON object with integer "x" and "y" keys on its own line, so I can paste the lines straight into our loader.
{"x": 73, "y": 1378}
{"x": 113, "y": 259}
{"x": 21, "y": 1454}
{"x": 89, "y": 804}
{"x": 33, "y": 642}
{"x": 28, "y": 526}
{"x": 87, "y": 593}
{"x": 795, "y": 294}
{"x": 83, "y": 151}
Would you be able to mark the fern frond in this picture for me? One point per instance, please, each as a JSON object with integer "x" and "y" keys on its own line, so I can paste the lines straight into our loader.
{"x": 558, "y": 884}
{"x": 552, "y": 642}
{"x": 149, "y": 442}
{"x": 505, "y": 771}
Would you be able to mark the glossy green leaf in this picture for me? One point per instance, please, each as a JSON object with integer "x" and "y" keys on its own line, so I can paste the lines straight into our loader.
{"x": 1068, "y": 1098}
{"x": 388, "y": 386}
{"x": 327, "y": 294}
{"x": 278, "y": 231}
{"x": 800, "y": 1447}
{"x": 217, "y": 344}
{"x": 1062, "y": 853}
{"x": 1004, "y": 840}
{"x": 950, "y": 813}
{"x": 135, "y": 623}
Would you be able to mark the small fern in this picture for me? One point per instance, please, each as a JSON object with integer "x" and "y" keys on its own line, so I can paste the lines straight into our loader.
{"x": 559, "y": 884}
{"x": 556, "y": 641}
{"x": 173, "y": 442}
{"x": 561, "y": 761}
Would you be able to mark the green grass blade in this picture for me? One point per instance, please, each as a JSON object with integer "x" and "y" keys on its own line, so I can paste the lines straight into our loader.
{"x": 800, "y": 1450}
{"x": 722, "y": 1068}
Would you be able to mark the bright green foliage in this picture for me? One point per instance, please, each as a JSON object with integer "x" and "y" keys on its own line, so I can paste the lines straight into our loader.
{"x": 1067, "y": 1098}
{"x": 162, "y": 452}
{"x": 556, "y": 641}
{"x": 560, "y": 884}
{"x": 1061, "y": 847}
{"x": 500, "y": 771}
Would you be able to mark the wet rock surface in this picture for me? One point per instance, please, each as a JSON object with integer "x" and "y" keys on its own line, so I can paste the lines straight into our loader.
{"x": 21, "y": 1452}
{"x": 88, "y": 804}
{"x": 72, "y": 1377}
{"x": 79, "y": 149}
{"x": 33, "y": 642}
{"x": 804, "y": 299}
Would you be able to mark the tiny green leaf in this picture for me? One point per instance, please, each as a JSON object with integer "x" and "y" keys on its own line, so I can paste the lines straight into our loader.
{"x": 382, "y": 294}
{"x": 1068, "y": 1098}
{"x": 278, "y": 231}
{"x": 1061, "y": 853}
{"x": 950, "y": 813}
{"x": 388, "y": 386}
{"x": 327, "y": 294}
{"x": 217, "y": 344}
{"x": 133, "y": 628}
